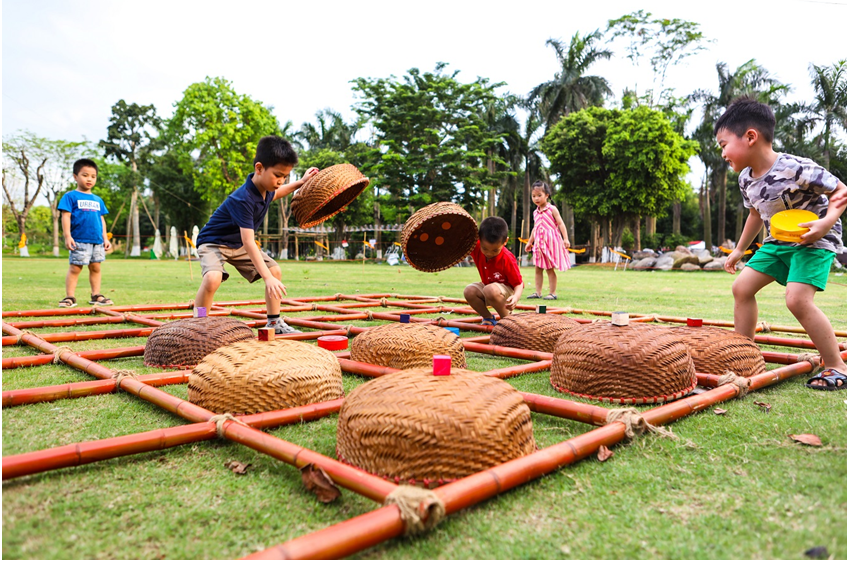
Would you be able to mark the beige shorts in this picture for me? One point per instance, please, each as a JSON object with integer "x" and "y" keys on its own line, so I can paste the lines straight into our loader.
{"x": 505, "y": 289}
{"x": 213, "y": 257}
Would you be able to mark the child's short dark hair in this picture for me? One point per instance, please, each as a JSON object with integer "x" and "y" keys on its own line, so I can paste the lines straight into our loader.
{"x": 744, "y": 113}
{"x": 84, "y": 163}
{"x": 493, "y": 230}
{"x": 273, "y": 150}
{"x": 543, "y": 186}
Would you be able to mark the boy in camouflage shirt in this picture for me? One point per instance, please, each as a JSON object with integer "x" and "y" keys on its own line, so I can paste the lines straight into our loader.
{"x": 770, "y": 183}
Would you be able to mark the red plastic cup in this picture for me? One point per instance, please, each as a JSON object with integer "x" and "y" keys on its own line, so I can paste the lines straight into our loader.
{"x": 333, "y": 342}
{"x": 441, "y": 365}
{"x": 691, "y": 322}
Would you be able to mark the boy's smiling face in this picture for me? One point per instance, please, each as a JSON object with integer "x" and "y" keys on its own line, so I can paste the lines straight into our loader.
{"x": 86, "y": 178}
{"x": 272, "y": 178}
{"x": 736, "y": 150}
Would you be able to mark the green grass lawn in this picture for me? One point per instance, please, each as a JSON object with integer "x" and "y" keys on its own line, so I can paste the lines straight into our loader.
{"x": 744, "y": 491}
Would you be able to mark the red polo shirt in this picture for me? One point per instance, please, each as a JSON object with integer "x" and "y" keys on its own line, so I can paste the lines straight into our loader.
{"x": 503, "y": 268}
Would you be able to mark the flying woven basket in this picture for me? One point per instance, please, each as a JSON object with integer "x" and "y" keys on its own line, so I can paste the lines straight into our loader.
{"x": 438, "y": 236}
{"x": 717, "y": 350}
{"x": 407, "y": 345}
{"x": 415, "y": 427}
{"x": 256, "y": 376}
{"x": 631, "y": 364}
{"x": 327, "y": 193}
{"x": 536, "y": 332}
{"x": 184, "y": 343}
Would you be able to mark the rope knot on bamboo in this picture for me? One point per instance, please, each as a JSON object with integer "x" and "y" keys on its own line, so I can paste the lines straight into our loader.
{"x": 765, "y": 327}
{"x": 20, "y": 336}
{"x": 383, "y": 302}
{"x": 420, "y": 509}
{"x": 811, "y": 358}
{"x": 567, "y": 310}
{"x": 349, "y": 329}
{"x": 337, "y": 296}
{"x": 636, "y": 424}
{"x": 119, "y": 375}
{"x": 439, "y": 321}
{"x": 370, "y": 316}
{"x": 314, "y": 306}
{"x": 57, "y": 354}
{"x": 219, "y": 421}
{"x": 730, "y": 377}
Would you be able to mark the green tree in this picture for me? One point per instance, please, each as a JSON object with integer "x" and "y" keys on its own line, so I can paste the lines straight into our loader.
{"x": 570, "y": 89}
{"x": 330, "y": 132}
{"x": 829, "y": 107}
{"x": 22, "y": 164}
{"x": 430, "y": 140}
{"x": 214, "y": 132}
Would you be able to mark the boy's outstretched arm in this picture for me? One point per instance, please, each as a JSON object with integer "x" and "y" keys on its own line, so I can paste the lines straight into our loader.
{"x": 273, "y": 286}
{"x": 751, "y": 229}
{"x": 291, "y": 187}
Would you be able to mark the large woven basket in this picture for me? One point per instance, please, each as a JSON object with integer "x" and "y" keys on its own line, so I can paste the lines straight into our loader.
{"x": 327, "y": 193}
{"x": 438, "y": 236}
{"x": 717, "y": 350}
{"x": 415, "y": 427}
{"x": 536, "y": 332}
{"x": 257, "y": 376}
{"x": 184, "y": 343}
{"x": 407, "y": 345}
{"x": 631, "y": 364}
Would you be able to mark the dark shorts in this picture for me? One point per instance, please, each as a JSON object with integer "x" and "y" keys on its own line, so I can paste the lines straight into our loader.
{"x": 212, "y": 258}
{"x": 87, "y": 253}
{"x": 791, "y": 263}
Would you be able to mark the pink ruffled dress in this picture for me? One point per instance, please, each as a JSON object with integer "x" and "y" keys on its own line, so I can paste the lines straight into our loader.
{"x": 548, "y": 251}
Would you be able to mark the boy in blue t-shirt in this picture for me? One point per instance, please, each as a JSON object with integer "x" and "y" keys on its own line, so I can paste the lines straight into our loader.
{"x": 85, "y": 233}
{"x": 230, "y": 234}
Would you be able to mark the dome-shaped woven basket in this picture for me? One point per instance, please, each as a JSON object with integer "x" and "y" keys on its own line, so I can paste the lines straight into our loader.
{"x": 536, "y": 332}
{"x": 438, "y": 236}
{"x": 717, "y": 350}
{"x": 407, "y": 345}
{"x": 257, "y": 376}
{"x": 416, "y": 427}
{"x": 184, "y": 343}
{"x": 631, "y": 364}
{"x": 327, "y": 193}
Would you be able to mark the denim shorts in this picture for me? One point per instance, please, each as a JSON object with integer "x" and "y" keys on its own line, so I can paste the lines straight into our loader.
{"x": 86, "y": 253}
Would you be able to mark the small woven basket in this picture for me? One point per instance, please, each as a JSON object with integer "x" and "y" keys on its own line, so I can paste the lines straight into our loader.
{"x": 631, "y": 364}
{"x": 185, "y": 342}
{"x": 327, "y": 193}
{"x": 438, "y": 236}
{"x": 536, "y": 332}
{"x": 717, "y": 350}
{"x": 407, "y": 345}
{"x": 423, "y": 429}
{"x": 254, "y": 377}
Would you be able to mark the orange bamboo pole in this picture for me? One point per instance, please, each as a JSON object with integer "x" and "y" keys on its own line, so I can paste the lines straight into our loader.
{"x": 511, "y": 371}
{"x": 21, "y": 361}
{"x": 132, "y": 317}
{"x": 65, "y": 322}
{"x": 86, "y": 335}
{"x": 507, "y": 351}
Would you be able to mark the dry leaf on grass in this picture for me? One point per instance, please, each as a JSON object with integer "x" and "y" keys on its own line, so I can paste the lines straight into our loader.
{"x": 318, "y": 482}
{"x": 604, "y": 454}
{"x": 766, "y": 407}
{"x": 237, "y": 467}
{"x": 719, "y": 411}
{"x": 810, "y": 439}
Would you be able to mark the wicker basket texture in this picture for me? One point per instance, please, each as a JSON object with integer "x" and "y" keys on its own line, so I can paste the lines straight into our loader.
{"x": 327, "y": 193}
{"x": 631, "y": 364}
{"x": 185, "y": 342}
{"x": 254, "y": 377}
{"x": 717, "y": 350}
{"x": 438, "y": 236}
{"x": 536, "y": 332}
{"x": 413, "y": 426}
{"x": 407, "y": 345}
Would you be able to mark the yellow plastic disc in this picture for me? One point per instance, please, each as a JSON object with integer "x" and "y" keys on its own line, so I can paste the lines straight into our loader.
{"x": 784, "y": 225}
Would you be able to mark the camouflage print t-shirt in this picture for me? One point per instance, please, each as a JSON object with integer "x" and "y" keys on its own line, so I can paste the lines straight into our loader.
{"x": 792, "y": 182}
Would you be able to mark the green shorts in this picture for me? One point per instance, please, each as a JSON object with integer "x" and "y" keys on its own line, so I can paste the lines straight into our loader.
{"x": 793, "y": 263}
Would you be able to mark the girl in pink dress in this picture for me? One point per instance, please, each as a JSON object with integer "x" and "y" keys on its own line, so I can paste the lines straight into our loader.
{"x": 549, "y": 249}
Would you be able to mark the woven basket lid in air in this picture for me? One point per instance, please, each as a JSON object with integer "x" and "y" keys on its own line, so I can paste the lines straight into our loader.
{"x": 327, "y": 193}
{"x": 416, "y": 427}
{"x": 407, "y": 345}
{"x": 184, "y": 343}
{"x": 717, "y": 350}
{"x": 630, "y": 364}
{"x": 257, "y": 376}
{"x": 438, "y": 236}
{"x": 536, "y": 332}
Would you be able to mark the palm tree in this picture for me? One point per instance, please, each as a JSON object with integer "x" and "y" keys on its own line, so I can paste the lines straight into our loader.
{"x": 830, "y": 104}
{"x": 330, "y": 133}
{"x": 570, "y": 90}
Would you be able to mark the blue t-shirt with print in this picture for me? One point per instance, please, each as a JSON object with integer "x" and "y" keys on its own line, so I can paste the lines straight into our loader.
{"x": 86, "y": 210}
{"x": 244, "y": 208}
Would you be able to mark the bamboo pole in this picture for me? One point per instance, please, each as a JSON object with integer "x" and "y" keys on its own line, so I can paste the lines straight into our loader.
{"x": 65, "y": 322}
{"x": 21, "y": 361}
{"x": 85, "y": 335}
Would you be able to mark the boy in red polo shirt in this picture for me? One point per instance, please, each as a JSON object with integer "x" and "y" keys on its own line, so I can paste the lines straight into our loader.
{"x": 502, "y": 284}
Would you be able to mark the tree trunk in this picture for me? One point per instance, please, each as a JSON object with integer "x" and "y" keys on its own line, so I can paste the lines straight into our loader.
{"x": 136, "y": 230}
{"x": 650, "y": 225}
{"x": 54, "y": 210}
{"x": 130, "y": 231}
{"x": 637, "y": 232}
{"x": 707, "y": 216}
{"x": 594, "y": 240}
{"x": 568, "y": 219}
{"x": 739, "y": 221}
{"x": 526, "y": 228}
{"x": 156, "y": 212}
{"x": 677, "y": 215}
{"x": 492, "y": 193}
{"x": 721, "y": 179}
{"x": 514, "y": 222}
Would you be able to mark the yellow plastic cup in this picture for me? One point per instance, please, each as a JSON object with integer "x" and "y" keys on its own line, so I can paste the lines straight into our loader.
{"x": 784, "y": 225}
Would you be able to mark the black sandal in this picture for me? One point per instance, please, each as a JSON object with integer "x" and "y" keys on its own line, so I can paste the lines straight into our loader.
{"x": 830, "y": 382}
{"x": 67, "y": 302}
{"x": 100, "y": 300}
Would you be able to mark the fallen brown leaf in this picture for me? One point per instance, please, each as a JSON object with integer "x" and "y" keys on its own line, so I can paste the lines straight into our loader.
{"x": 318, "y": 482}
{"x": 237, "y": 467}
{"x": 810, "y": 439}
{"x": 719, "y": 411}
{"x": 766, "y": 407}
{"x": 604, "y": 454}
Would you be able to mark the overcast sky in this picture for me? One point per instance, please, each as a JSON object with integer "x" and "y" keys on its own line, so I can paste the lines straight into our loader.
{"x": 65, "y": 63}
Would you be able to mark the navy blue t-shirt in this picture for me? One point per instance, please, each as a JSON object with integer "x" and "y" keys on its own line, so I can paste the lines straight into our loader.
{"x": 86, "y": 210}
{"x": 244, "y": 208}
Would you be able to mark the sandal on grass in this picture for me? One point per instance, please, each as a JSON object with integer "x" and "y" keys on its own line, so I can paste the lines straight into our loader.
{"x": 533, "y": 296}
{"x": 489, "y": 321}
{"x": 100, "y": 300}
{"x": 830, "y": 382}
{"x": 67, "y": 302}
{"x": 550, "y": 297}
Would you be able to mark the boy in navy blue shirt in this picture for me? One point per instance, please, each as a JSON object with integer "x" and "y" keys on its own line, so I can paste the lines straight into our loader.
{"x": 230, "y": 234}
{"x": 84, "y": 229}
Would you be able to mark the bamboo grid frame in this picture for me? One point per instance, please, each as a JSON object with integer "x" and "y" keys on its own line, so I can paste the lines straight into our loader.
{"x": 358, "y": 533}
